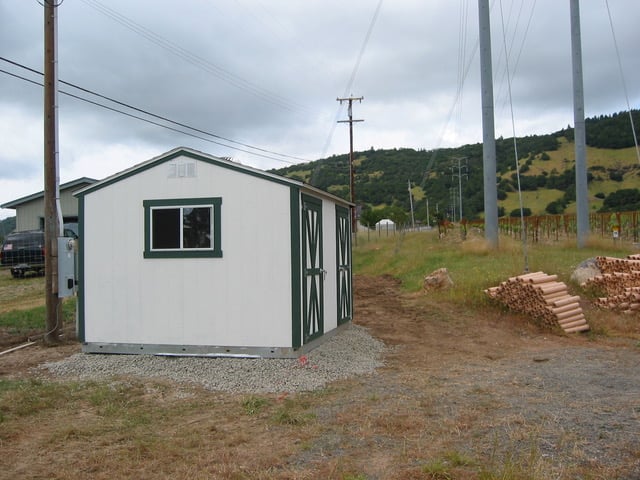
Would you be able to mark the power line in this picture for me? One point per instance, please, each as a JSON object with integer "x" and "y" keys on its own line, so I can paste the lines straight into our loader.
{"x": 197, "y": 60}
{"x": 347, "y": 89}
{"x": 624, "y": 84}
{"x": 159, "y": 117}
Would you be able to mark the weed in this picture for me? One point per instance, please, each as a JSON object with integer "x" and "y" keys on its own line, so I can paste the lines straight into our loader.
{"x": 513, "y": 464}
{"x": 290, "y": 414}
{"x": 457, "y": 459}
{"x": 437, "y": 470}
{"x": 253, "y": 404}
{"x": 351, "y": 476}
{"x": 287, "y": 417}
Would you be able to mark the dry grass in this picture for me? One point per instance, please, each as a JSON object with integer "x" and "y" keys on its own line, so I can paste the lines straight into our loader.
{"x": 441, "y": 408}
{"x": 20, "y": 294}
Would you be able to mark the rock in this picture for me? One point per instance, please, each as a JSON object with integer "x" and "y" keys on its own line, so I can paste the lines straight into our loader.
{"x": 586, "y": 270}
{"x": 438, "y": 280}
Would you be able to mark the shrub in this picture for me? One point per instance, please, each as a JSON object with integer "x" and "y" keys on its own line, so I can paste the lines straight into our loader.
{"x": 526, "y": 212}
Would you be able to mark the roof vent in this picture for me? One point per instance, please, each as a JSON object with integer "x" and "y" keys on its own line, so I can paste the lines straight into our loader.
{"x": 182, "y": 170}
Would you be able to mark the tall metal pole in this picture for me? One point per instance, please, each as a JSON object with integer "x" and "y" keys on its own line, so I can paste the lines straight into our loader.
{"x": 582, "y": 193}
{"x": 352, "y": 190}
{"x": 460, "y": 167}
{"x": 51, "y": 179}
{"x": 488, "y": 129}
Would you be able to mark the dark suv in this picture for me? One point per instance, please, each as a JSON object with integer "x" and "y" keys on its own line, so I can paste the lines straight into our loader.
{"x": 23, "y": 252}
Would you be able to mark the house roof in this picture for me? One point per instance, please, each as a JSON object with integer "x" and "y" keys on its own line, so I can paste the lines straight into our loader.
{"x": 73, "y": 184}
{"x": 205, "y": 157}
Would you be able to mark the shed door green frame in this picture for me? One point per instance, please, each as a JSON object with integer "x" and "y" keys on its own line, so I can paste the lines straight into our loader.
{"x": 313, "y": 272}
{"x": 343, "y": 264}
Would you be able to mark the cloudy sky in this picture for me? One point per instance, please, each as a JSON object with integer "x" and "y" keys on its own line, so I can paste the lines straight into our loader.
{"x": 258, "y": 79}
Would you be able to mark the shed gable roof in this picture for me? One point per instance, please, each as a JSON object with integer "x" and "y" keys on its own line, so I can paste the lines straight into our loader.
{"x": 204, "y": 157}
{"x": 77, "y": 184}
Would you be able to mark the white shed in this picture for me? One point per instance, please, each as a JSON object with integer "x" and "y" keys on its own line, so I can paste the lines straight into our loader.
{"x": 190, "y": 254}
{"x": 385, "y": 224}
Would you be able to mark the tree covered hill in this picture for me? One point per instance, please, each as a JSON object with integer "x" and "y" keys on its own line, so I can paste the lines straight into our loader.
{"x": 7, "y": 225}
{"x": 546, "y": 164}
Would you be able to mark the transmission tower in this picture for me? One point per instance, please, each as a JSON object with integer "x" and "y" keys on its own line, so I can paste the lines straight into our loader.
{"x": 461, "y": 172}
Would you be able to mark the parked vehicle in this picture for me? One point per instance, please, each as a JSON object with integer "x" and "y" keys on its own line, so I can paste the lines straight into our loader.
{"x": 23, "y": 252}
{"x": 70, "y": 230}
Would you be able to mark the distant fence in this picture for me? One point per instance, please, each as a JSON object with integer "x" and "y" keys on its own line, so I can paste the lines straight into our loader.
{"x": 619, "y": 225}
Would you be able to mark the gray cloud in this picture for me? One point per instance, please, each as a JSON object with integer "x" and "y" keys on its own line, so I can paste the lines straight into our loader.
{"x": 268, "y": 74}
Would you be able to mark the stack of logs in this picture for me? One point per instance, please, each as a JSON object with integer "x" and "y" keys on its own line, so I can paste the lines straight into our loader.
{"x": 544, "y": 298}
{"x": 619, "y": 282}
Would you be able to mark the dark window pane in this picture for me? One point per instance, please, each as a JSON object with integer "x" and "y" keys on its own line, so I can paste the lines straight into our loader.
{"x": 165, "y": 228}
{"x": 196, "y": 227}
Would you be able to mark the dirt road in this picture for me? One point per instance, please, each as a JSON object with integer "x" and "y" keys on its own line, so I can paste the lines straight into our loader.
{"x": 462, "y": 395}
{"x": 501, "y": 387}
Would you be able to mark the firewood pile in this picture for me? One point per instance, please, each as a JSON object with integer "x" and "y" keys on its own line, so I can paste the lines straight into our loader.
{"x": 619, "y": 282}
{"x": 543, "y": 297}
{"x": 618, "y": 265}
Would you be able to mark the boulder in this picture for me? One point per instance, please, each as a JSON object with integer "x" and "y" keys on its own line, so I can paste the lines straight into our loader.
{"x": 438, "y": 280}
{"x": 586, "y": 270}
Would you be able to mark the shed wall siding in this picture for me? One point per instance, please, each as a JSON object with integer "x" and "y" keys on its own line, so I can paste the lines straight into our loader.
{"x": 243, "y": 298}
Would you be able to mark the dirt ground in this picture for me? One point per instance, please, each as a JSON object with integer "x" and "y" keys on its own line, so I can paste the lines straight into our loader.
{"x": 462, "y": 395}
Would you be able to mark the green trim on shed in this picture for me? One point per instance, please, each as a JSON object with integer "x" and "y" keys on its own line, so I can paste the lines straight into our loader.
{"x": 313, "y": 271}
{"x": 181, "y": 152}
{"x": 215, "y": 252}
{"x": 80, "y": 327}
{"x": 220, "y": 162}
{"x": 296, "y": 256}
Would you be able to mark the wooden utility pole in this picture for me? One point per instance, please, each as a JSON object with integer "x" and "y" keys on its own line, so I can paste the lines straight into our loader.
{"x": 51, "y": 179}
{"x": 354, "y": 225}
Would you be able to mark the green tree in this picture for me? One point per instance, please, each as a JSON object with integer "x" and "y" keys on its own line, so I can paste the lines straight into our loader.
{"x": 370, "y": 217}
{"x": 622, "y": 200}
{"x": 526, "y": 212}
{"x": 396, "y": 214}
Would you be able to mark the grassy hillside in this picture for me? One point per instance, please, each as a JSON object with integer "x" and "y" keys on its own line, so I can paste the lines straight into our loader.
{"x": 600, "y": 162}
{"x": 7, "y": 225}
{"x": 382, "y": 177}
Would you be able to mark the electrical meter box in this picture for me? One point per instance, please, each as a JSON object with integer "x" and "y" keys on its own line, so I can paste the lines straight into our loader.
{"x": 66, "y": 267}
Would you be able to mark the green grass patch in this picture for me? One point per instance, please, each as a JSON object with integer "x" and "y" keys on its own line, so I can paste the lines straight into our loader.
{"x": 29, "y": 397}
{"x": 294, "y": 413}
{"x": 472, "y": 265}
{"x": 253, "y": 404}
{"x": 536, "y": 200}
{"x": 24, "y": 321}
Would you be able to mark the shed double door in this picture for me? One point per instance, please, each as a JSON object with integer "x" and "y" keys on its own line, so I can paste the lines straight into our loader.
{"x": 343, "y": 264}
{"x": 313, "y": 273}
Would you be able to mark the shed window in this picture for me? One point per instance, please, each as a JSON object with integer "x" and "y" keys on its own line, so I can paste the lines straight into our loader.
{"x": 182, "y": 228}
